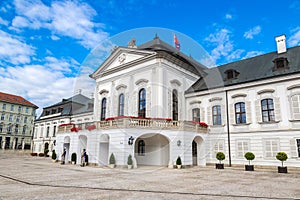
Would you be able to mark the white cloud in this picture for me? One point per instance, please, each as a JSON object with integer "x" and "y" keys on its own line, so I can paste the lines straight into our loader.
{"x": 54, "y": 37}
{"x": 13, "y": 50}
{"x": 228, "y": 16}
{"x": 4, "y": 22}
{"x": 63, "y": 18}
{"x": 294, "y": 40}
{"x": 253, "y": 31}
{"x": 251, "y": 54}
{"x": 235, "y": 54}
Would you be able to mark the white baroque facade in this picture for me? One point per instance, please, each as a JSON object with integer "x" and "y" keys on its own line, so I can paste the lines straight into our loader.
{"x": 150, "y": 100}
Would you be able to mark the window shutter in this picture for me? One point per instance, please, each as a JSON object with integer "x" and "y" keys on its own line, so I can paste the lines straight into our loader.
{"x": 223, "y": 114}
{"x": 258, "y": 111}
{"x": 248, "y": 112}
{"x": 170, "y": 100}
{"x": 277, "y": 109}
{"x": 202, "y": 114}
{"x": 148, "y": 102}
{"x": 209, "y": 115}
{"x": 115, "y": 106}
{"x": 232, "y": 114}
{"x": 135, "y": 105}
{"x": 293, "y": 148}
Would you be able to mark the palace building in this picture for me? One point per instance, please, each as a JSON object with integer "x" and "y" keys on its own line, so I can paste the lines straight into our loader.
{"x": 16, "y": 122}
{"x": 155, "y": 103}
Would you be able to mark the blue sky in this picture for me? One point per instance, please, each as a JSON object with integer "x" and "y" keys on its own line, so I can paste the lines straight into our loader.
{"x": 43, "y": 43}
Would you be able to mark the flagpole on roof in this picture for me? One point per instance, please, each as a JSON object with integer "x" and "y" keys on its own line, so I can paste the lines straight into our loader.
{"x": 176, "y": 42}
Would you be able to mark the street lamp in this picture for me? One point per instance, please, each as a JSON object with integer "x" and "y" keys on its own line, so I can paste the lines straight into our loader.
{"x": 130, "y": 140}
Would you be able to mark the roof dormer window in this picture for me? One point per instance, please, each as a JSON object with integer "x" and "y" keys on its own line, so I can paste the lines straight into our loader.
{"x": 231, "y": 74}
{"x": 280, "y": 64}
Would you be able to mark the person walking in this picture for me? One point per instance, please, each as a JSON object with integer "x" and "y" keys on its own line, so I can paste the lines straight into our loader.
{"x": 83, "y": 158}
{"x": 63, "y": 156}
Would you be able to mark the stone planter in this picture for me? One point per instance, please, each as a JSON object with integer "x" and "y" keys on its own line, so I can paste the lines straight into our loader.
{"x": 73, "y": 163}
{"x": 282, "y": 169}
{"x": 111, "y": 166}
{"x": 249, "y": 167}
{"x": 129, "y": 166}
{"x": 219, "y": 166}
{"x": 178, "y": 166}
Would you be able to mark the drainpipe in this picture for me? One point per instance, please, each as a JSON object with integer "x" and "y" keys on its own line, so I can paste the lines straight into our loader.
{"x": 228, "y": 130}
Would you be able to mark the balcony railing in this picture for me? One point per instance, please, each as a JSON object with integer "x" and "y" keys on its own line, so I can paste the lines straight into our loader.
{"x": 135, "y": 123}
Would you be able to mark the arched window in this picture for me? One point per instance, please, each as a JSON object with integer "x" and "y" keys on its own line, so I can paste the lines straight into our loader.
{"x": 175, "y": 105}
{"x": 196, "y": 114}
{"x": 267, "y": 110}
{"x": 121, "y": 105}
{"x": 141, "y": 148}
{"x": 142, "y": 103}
{"x": 240, "y": 113}
{"x": 103, "y": 109}
{"x": 216, "y": 110}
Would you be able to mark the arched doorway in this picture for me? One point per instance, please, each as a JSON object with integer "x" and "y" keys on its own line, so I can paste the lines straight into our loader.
{"x": 198, "y": 151}
{"x": 152, "y": 149}
{"x": 67, "y": 146}
{"x": 46, "y": 146}
{"x": 103, "y": 149}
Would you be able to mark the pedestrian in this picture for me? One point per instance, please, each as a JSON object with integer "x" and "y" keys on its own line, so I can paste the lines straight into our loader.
{"x": 83, "y": 157}
{"x": 63, "y": 156}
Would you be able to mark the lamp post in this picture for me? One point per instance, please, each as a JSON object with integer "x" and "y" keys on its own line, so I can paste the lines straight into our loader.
{"x": 130, "y": 140}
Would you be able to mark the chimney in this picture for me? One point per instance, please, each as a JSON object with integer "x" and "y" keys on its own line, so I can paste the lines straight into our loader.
{"x": 281, "y": 44}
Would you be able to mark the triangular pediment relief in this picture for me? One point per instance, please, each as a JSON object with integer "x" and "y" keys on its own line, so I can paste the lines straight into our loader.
{"x": 120, "y": 58}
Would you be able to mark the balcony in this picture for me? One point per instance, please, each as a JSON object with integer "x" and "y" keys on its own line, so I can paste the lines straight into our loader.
{"x": 133, "y": 122}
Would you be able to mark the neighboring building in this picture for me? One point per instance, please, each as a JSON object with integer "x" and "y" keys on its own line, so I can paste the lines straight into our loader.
{"x": 16, "y": 121}
{"x": 150, "y": 101}
{"x": 74, "y": 110}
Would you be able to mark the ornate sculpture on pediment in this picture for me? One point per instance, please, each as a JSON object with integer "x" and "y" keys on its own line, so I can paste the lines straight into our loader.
{"x": 132, "y": 44}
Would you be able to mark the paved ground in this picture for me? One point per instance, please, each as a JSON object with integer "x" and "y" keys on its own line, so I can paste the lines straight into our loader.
{"x": 26, "y": 177}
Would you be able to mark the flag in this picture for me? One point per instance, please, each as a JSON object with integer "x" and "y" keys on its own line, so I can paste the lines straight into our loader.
{"x": 176, "y": 42}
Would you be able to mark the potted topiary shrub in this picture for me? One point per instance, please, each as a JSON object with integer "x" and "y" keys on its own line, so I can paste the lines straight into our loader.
{"x": 249, "y": 156}
{"x": 178, "y": 162}
{"x": 282, "y": 156}
{"x": 73, "y": 158}
{"x": 112, "y": 161}
{"x": 54, "y": 156}
{"x": 220, "y": 156}
{"x": 46, "y": 151}
{"x": 129, "y": 161}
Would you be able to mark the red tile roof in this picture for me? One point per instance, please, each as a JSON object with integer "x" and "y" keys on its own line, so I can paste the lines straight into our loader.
{"x": 15, "y": 99}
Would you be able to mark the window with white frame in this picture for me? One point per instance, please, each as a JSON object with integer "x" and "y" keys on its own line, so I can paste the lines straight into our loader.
{"x": 296, "y": 106}
{"x": 218, "y": 146}
{"x": 267, "y": 110}
{"x": 240, "y": 113}
{"x": 242, "y": 147}
{"x": 121, "y": 105}
{"x": 216, "y": 111}
{"x": 271, "y": 148}
{"x": 103, "y": 109}
{"x": 196, "y": 114}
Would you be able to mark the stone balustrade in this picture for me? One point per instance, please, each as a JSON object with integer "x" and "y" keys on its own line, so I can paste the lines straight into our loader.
{"x": 135, "y": 123}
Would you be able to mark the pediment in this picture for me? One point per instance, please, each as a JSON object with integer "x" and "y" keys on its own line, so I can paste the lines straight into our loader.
{"x": 120, "y": 58}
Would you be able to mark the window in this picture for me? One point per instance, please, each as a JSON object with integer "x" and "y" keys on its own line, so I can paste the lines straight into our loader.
{"x": 231, "y": 74}
{"x": 240, "y": 113}
{"x": 216, "y": 110}
{"x": 298, "y": 146}
{"x": 271, "y": 148}
{"x": 280, "y": 64}
{"x": 18, "y": 119}
{"x": 24, "y": 130}
{"x": 9, "y": 127}
{"x": 4, "y": 106}
{"x": 12, "y": 108}
{"x": 103, "y": 109}
{"x": 141, "y": 148}
{"x": 10, "y": 118}
{"x": 2, "y": 116}
{"x": 26, "y": 110}
{"x": 47, "y": 112}
{"x": 267, "y": 109}
{"x": 17, "y": 129}
{"x": 19, "y": 108}
{"x": 53, "y": 111}
{"x": 218, "y": 147}
{"x": 47, "y": 133}
{"x": 54, "y": 131}
{"x": 196, "y": 114}
{"x": 296, "y": 106}
{"x": 142, "y": 103}
{"x": 121, "y": 105}
{"x": 175, "y": 105}
{"x": 1, "y": 128}
{"x": 25, "y": 119}
{"x": 60, "y": 110}
{"x": 242, "y": 148}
